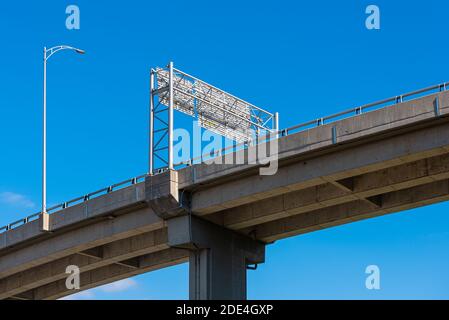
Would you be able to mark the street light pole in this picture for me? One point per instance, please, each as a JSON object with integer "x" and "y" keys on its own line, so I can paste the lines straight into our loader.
{"x": 45, "y": 221}
{"x": 44, "y": 140}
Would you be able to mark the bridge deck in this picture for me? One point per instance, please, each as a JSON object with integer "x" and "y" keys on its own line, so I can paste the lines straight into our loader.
{"x": 385, "y": 161}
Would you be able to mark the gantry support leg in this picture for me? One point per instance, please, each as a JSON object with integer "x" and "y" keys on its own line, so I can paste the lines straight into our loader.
{"x": 218, "y": 257}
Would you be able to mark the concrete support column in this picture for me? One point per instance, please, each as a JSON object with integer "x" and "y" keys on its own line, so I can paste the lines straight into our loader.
{"x": 218, "y": 257}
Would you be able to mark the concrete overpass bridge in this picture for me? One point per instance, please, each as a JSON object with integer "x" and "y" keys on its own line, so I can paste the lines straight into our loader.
{"x": 221, "y": 217}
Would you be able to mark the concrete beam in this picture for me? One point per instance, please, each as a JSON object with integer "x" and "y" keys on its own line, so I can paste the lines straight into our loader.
{"x": 113, "y": 203}
{"x": 365, "y": 187}
{"x": 63, "y": 244}
{"x": 327, "y": 195}
{"x": 350, "y": 212}
{"x": 399, "y": 117}
{"x": 118, "y": 252}
{"x": 108, "y": 274}
{"x": 336, "y": 166}
{"x": 390, "y": 179}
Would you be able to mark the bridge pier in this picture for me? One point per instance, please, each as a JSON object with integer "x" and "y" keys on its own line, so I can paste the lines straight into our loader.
{"x": 219, "y": 257}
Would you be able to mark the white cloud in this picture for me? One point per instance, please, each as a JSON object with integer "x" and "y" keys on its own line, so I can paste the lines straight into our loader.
{"x": 16, "y": 199}
{"x": 83, "y": 295}
{"x": 114, "y": 287}
{"x": 118, "y": 286}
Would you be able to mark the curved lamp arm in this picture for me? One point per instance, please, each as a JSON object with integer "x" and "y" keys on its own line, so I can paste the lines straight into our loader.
{"x": 52, "y": 51}
{"x": 47, "y": 54}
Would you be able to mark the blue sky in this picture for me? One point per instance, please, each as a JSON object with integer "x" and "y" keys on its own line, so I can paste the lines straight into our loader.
{"x": 304, "y": 60}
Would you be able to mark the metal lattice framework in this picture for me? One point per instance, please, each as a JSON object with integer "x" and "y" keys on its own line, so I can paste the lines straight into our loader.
{"x": 215, "y": 109}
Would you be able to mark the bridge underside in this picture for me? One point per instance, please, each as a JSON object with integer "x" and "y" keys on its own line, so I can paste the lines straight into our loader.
{"x": 382, "y": 173}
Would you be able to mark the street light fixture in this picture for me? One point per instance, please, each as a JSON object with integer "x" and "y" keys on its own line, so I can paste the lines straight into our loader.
{"x": 45, "y": 225}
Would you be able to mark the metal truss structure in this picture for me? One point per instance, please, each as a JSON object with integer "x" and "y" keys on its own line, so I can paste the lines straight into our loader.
{"x": 215, "y": 109}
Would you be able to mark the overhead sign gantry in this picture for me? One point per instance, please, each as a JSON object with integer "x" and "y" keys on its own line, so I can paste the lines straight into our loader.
{"x": 216, "y": 110}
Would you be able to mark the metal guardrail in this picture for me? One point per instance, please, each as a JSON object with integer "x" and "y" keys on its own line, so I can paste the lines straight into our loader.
{"x": 285, "y": 132}
{"x": 75, "y": 201}
{"x": 359, "y": 110}
{"x": 325, "y": 120}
